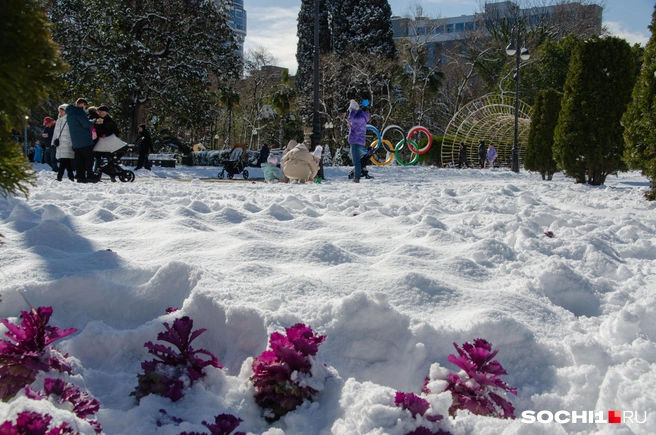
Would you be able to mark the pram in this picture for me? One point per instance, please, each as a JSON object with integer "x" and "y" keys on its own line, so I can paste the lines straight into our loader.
{"x": 364, "y": 161}
{"x": 232, "y": 168}
{"x": 112, "y": 149}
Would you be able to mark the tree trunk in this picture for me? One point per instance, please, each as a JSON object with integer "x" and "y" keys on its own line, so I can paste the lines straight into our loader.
{"x": 134, "y": 109}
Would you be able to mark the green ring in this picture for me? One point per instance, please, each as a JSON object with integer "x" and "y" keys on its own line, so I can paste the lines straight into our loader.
{"x": 398, "y": 146}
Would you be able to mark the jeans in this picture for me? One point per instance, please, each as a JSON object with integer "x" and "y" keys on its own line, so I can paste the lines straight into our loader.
{"x": 357, "y": 151}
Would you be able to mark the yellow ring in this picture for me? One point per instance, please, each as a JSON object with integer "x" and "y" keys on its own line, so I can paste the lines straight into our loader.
{"x": 388, "y": 161}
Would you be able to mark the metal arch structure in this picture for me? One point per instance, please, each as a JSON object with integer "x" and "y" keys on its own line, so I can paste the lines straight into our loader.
{"x": 491, "y": 118}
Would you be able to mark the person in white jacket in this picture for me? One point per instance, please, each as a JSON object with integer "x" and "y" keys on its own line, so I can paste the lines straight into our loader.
{"x": 64, "y": 153}
{"x": 491, "y": 155}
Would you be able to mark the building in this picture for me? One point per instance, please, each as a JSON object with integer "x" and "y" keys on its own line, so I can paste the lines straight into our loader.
{"x": 236, "y": 21}
{"x": 567, "y": 18}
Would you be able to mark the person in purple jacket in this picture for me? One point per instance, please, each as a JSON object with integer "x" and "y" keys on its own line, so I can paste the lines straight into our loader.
{"x": 357, "y": 121}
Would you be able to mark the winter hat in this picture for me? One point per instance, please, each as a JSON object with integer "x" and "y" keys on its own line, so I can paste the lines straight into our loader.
{"x": 273, "y": 160}
{"x": 317, "y": 152}
{"x": 63, "y": 107}
{"x": 103, "y": 109}
{"x": 47, "y": 120}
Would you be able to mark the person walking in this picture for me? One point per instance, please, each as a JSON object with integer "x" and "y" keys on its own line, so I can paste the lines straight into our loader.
{"x": 64, "y": 149}
{"x": 357, "y": 122}
{"x": 145, "y": 148}
{"x": 491, "y": 155}
{"x": 481, "y": 153}
{"x": 462, "y": 156}
{"x": 49, "y": 150}
{"x": 79, "y": 127}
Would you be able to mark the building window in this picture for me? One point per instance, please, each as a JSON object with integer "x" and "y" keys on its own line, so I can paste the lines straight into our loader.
{"x": 449, "y": 28}
{"x": 469, "y": 26}
{"x": 460, "y": 27}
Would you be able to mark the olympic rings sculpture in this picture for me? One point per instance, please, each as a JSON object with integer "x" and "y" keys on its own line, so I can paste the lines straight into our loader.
{"x": 393, "y": 152}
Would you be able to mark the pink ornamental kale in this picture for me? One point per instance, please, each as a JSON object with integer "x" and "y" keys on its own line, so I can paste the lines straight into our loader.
{"x": 163, "y": 375}
{"x": 478, "y": 392}
{"x": 421, "y": 430}
{"x": 22, "y": 359}
{"x": 275, "y": 391}
{"x": 33, "y": 423}
{"x": 223, "y": 424}
{"x": 415, "y": 404}
{"x": 83, "y": 403}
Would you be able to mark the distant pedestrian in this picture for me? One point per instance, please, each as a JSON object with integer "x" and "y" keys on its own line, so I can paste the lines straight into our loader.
{"x": 481, "y": 153}
{"x": 491, "y": 155}
{"x": 462, "y": 156}
{"x": 270, "y": 170}
{"x": 49, "y": 150}
{"x": 79, "y": 126}
{"x": 145, "y": 148}
{"x": 298, "y": 164}
{"x": 38, "y": 152}
{"x": 64, "y": 149}
{"x": 264, "y": 155}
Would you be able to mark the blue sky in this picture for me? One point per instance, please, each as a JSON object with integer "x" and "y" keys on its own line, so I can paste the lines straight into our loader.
{"x": 272, "y": 25}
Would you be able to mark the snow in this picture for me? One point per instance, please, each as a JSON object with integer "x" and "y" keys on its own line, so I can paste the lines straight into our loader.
{"x": 392, "y": 270}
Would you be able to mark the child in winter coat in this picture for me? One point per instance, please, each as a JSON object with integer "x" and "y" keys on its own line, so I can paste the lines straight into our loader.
{"x": 270, "y": 170}
{"x": 491, "y": 155}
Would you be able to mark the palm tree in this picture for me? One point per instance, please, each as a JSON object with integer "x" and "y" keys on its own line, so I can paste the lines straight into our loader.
{"x": 281, "y": 100}
{"x": 228, "y": 98}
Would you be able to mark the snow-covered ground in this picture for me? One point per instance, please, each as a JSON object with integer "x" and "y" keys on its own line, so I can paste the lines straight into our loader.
{"x": 392, "y": 270}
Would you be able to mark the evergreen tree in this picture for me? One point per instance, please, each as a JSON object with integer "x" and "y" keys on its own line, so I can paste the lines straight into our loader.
{"x": 588, "y": 139}
{"x": 640, "y": 118}
{"x": 29, "y": 66}
{"x": 363, "y": 27}
{"x": 538, "y": 155}
{"x": 145, "y": 55}
{"x": 305, "y": 47}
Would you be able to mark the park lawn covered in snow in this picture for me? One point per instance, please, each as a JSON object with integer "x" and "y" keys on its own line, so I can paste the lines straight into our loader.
{"x": 392, "y": 271}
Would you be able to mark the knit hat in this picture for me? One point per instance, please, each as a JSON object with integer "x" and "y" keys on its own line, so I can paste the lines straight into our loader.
{"x": 272, "y": 159}
{"x": 103, "y": 109}
{"x": 317, "y": 152}
{"x": 63, "y": 107}
{"x": 47, "y": 120}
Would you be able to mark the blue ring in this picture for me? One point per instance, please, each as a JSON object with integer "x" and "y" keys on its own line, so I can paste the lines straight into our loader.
{"x": 375, "y": 130}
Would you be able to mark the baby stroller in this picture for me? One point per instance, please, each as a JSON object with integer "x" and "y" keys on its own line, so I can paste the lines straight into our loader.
{"x": 232, "y": 168}
{"x": 113, "y": 149}
{"x": 364, "y": 161}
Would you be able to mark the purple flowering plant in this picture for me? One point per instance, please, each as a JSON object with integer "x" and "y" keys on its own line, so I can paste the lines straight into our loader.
{"x": 223, "y": 424}
{"x": 166, "y": 374}
{"x": 26, "y": 353}
{"x": 276, "y": 389}
{"x": 33, "y": 423}
{"x": 481, "y": 391}
{"x": 83, "y": 403}
{"x": 418, "y": 405}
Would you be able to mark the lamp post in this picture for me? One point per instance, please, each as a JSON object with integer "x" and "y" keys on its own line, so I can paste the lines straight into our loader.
{"x": 316, "y": 118}
{"x": 520, "y": 55}
{"x": 25, "y": 136}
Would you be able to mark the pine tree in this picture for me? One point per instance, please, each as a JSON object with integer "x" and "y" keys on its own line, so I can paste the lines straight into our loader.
{"x": 29, "y": 66}
{"x": 588, "y": 140}
{"x": 538, "y": 155}
{"x": 144, "y": 55}
{"x": 640, "y": 118}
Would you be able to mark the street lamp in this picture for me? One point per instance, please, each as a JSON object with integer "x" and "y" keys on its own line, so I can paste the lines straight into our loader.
{"x": 520, "y": 55}
{"x": 25, "y": 136}
{"x": 316, "y": 118}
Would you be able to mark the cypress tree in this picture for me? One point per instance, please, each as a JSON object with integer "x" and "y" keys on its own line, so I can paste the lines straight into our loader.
{"x": 538, "y": 155}
{"x": 29, "y": 66}
{"x": 640, "y": 118}
{"x": 589, "y": 139}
